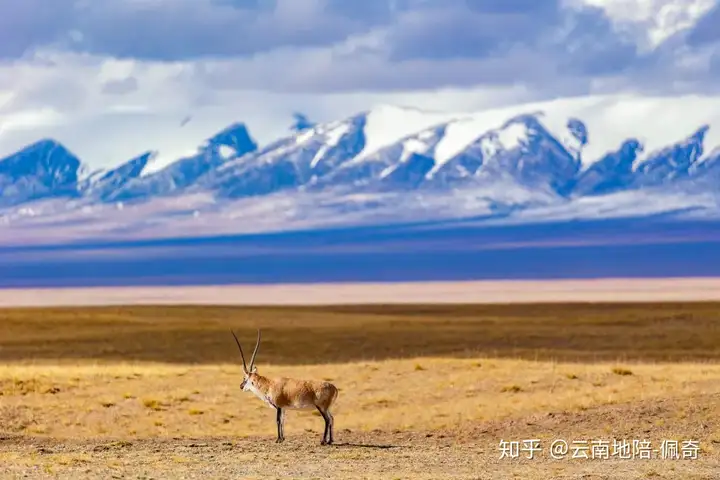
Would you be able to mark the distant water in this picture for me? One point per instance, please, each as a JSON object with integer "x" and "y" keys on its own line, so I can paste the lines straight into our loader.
{"x": 451, "y": 251}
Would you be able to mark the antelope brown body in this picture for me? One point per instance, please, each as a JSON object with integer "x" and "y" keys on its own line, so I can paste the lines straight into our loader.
{"x": 289, "y": 393}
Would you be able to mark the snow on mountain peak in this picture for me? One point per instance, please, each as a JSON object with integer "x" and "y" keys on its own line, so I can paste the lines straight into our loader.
{"x": 544, "y": 143}
{"x": 598, "y": 125}
{"x": 388, "y": 124}
{"x": 500, "y": 159}
{"x": 227, "y": 152}
{"x": 333, "y": 137}
{"x": 655, "y": 121}
{"x": 234, "y": 140}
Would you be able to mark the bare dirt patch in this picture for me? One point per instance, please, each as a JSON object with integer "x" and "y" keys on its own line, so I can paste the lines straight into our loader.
{"x": 462, "y": 453}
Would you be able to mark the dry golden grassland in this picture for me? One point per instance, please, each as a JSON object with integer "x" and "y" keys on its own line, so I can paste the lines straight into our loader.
{"x": 425, "y": 391}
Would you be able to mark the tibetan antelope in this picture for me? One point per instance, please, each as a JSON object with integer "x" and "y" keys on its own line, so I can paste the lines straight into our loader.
{"x": 288, "y": 393}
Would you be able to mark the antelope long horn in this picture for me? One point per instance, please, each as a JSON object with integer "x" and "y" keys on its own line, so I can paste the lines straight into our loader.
{"x": 241, "y": 350}
{"x": 257, "y": 345}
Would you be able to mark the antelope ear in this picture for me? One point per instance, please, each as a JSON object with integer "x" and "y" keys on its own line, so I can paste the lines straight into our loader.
{"x": 254, "y": 369}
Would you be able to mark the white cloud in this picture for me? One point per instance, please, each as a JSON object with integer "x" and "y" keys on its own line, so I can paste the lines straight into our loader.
{"x": 32, "y": 120}
{"x": 109, "y": 109}
{"x": 106, "y": 129}
{"x": 660, "y": 19}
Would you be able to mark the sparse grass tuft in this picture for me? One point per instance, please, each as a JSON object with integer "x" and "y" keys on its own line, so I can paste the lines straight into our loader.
{"x": 511, "y": 388}
{"x": 621, "y": 371}
{"x": 152, "y": 404}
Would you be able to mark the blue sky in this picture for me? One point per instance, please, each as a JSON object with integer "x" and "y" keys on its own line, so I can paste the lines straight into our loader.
{"x": 69, "y": 67}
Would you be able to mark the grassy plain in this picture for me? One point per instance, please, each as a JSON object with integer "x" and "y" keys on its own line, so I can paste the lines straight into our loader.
{"x": 426, "y": 391}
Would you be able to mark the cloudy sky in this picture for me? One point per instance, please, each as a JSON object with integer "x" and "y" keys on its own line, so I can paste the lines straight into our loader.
{"x": 110, "y": 78}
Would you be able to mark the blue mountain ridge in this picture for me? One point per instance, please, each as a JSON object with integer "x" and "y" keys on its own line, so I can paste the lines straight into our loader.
{"x": 320, "y": 158}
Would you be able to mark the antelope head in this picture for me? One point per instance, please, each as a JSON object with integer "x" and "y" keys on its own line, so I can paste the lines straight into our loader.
{"x": 249, "y": 373}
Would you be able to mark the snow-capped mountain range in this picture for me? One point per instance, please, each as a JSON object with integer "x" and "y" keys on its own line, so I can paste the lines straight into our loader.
{"x": 571, "y": 158}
